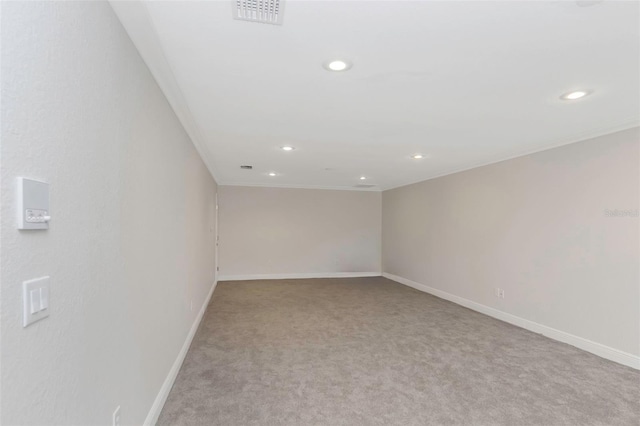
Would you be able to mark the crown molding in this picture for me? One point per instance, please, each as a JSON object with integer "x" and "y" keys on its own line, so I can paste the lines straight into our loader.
{"x": 285, "y": 186}
{"x": 579, "y": 137}
{"x": 139, "y": 25}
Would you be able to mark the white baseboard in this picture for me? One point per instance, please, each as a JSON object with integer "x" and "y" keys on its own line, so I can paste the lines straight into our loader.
{"x": 595, "y": 348}
{"x": 163, "y": 393}
{"x": 298, "y": 276}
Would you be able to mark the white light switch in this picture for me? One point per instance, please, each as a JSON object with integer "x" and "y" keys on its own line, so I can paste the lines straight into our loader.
{"x": 44, "y": 298}
{"x": 33, "y": 204}
{"x": 35, "y": 297}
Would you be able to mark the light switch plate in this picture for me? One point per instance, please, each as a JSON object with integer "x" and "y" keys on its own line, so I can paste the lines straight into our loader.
{"x": 35, "y": 299}
{"x": 33, "y": 204}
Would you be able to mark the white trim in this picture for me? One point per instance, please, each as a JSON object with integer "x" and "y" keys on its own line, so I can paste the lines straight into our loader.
{"x": 141, "y": 28}
{"x": 163, "y": 393}
{"x": 580, "y": 137}
{"x": 293, "y": 186}
{"x": 299, "y": 276}
{"x": 595, "y": 348}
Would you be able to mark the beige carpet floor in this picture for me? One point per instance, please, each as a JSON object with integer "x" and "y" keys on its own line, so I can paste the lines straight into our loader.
{"x": 368, "y": 351}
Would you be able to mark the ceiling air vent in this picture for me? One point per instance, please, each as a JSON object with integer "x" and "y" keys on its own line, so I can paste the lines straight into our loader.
{"x": 363, "y": 185}
{"x": 265, "y": 11}
{"x": 246, "y": 167}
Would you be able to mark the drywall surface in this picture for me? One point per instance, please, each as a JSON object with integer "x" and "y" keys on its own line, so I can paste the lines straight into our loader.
{"x": 279, "y": 231}
{"x": 131, "y": 246}
{"x": 557, "y": 230}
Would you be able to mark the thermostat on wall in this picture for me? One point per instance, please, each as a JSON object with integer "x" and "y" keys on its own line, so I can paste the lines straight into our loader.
{"x": 33, "y": 204}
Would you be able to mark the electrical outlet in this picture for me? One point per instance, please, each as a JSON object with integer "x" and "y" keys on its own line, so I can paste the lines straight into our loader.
{"x": 499, "y": 293}
{"x": 116, "y": 417}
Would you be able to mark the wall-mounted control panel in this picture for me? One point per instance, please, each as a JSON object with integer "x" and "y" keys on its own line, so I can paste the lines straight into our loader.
{"x": 33, "y": 204}
{"x": 35, "y": 299}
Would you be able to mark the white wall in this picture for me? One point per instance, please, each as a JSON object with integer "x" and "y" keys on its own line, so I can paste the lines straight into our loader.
{"x": 537, "y": 227}
{"x": 131, "y": 243}
{"x": 298, "y": 232}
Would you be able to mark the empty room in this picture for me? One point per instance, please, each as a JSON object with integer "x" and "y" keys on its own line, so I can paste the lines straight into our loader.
{"x": 323, "y": 213}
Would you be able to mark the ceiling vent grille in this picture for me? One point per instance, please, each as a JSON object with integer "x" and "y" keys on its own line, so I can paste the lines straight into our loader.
{"x": 265, "y": 11}
{"x": 363, "y": 185}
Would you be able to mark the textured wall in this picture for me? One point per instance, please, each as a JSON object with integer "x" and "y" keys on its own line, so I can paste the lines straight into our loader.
{"x": 292, "y": 231}
{"x": 536, "y": 226}
{"x": 131, "y": 244}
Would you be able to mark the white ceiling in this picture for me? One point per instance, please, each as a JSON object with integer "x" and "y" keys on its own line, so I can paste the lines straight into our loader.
{"x": 466, "y": 83}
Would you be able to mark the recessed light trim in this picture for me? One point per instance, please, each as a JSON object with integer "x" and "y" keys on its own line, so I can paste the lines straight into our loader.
{"x": 363, "y": 178}
{"x": 417, "y": 156}
{"x": 575, "y": 95}
{"x": 272, "y": 174}
{"x": 287, "y": 148}
{"x": 337, "y": 65}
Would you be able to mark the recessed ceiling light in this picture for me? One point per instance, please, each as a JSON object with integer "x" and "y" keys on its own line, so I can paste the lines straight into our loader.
{"x": 288, "y": 148}
{"x": 572, "y": 96}
{"x": 362, "y": 177}
{"x": 337, "y": 65}
{"x": 273, "y": 174}
{"x": 417, "y": 156}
